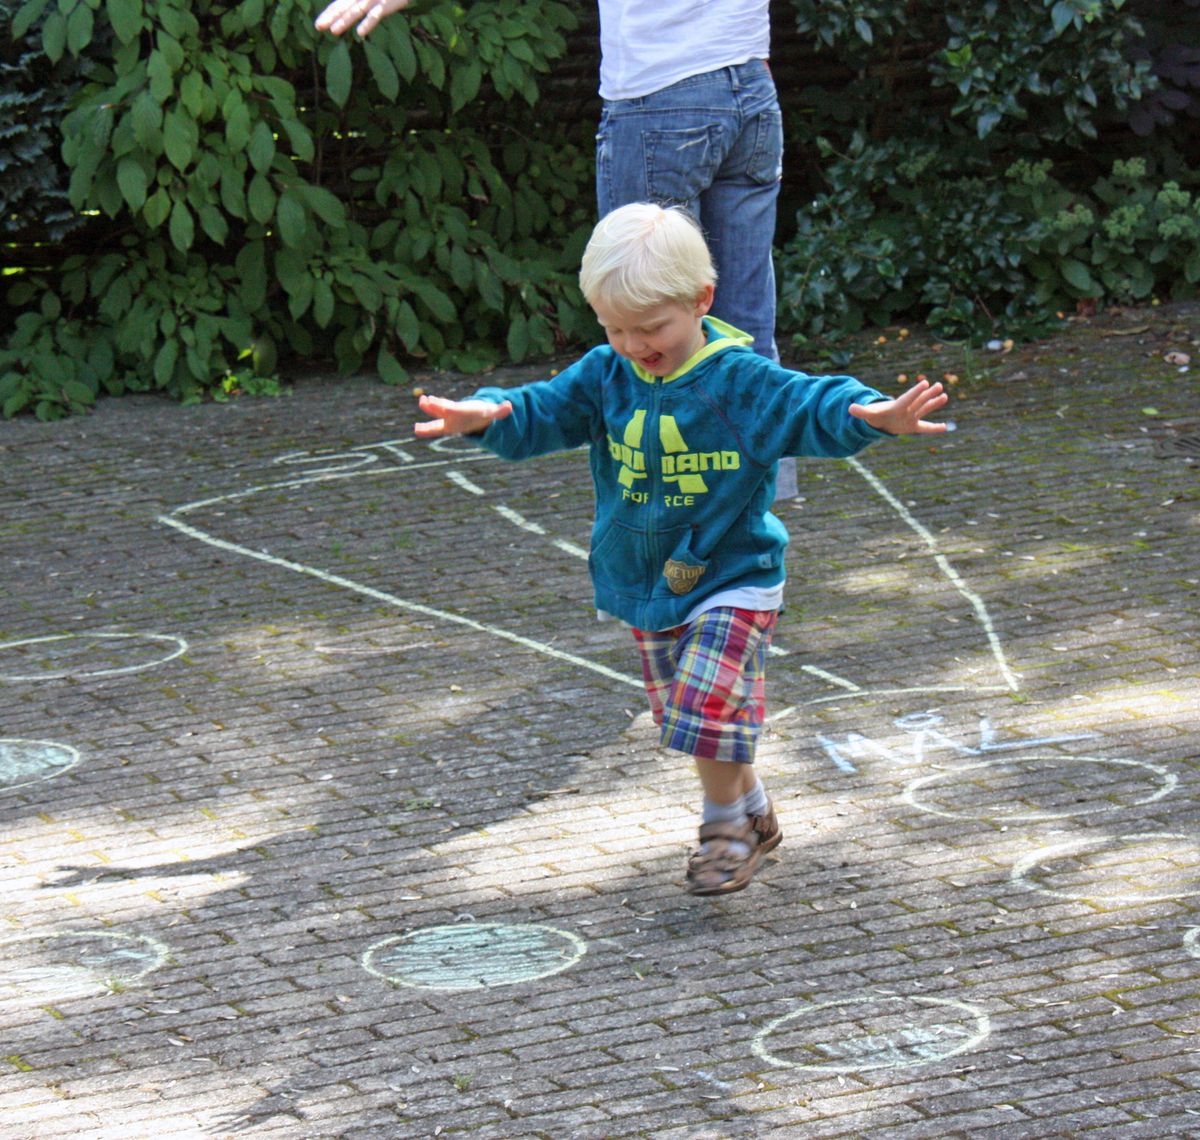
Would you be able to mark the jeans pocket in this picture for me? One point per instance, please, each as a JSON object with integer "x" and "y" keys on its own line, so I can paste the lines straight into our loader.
{"x": 765, "y": 135}
{"x": 681, "y": 162}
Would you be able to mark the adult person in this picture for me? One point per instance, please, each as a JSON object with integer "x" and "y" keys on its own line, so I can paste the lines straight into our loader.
{"x": 690, "y": 117}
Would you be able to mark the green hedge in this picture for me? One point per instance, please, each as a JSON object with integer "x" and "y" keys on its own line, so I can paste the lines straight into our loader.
{"x": 259, "y": 192}
{"x": 248, "y": 197}
{"x": 986, "y": 165}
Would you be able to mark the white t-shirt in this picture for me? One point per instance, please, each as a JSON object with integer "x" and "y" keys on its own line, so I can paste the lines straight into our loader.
{"x": 646, "y": 45}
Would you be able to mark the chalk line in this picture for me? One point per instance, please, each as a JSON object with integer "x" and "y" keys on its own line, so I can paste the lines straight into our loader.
{"x": 392, "y": 600}
{"x": 976, "y": 602}
{"x": 832, "y": 678}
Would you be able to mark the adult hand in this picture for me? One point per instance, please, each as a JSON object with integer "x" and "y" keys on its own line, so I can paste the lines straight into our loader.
{"x": 342, "y": 13}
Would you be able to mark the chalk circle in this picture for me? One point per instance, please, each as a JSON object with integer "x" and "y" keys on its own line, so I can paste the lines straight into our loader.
{"x": 25, "y": 762}
{"x": 67, "y": 654}
{"x": 872, "y": 1031}
{"x": 75, "y": 964}
{"x": 969, "y": 785}
{"x": 1189, "y": 941}
{"x": 473, "y": 956}
{"x": 1124, "y": 857}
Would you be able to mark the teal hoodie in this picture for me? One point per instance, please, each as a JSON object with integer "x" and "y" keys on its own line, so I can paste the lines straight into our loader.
{"x": 683, "y": 465}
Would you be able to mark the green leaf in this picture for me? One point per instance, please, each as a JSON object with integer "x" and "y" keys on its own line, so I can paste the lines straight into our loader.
{"x": 158, "y": 206}
{"x": 162, "y": 78}
{"x": 339, "y": 73}
{"x": 1061, "y": 15}
{"x": 300, "y": 138}
{"x": 164, "y": 363}
{"x": 300, "y": 295}
{"x": 1077, "y": 275}
{"x": 237, "y": 120}
{"x": 518, "y": 338}
{"x": 233, "y": 190}
{"x": 125, "y": 16}
{"x": 383, "y": 71}
{"x": 464, "y": 85}
{"x": 191, "y": 93}
{"x": 408, "y": 328}
{"x": 261, "y": 199}
{"x": 389, "y": 368}
{"x": 400, "y": 44}
{"x": 261, "y": 150}
{"x": 131, "y": 178}
{"x": 79, "y": 28}
{"x": 366, "y": 292}
{"x": 326, "y": 205}
{"x": 251, "y": 266}
{"x": 291, "y": 217}
{"x": 180, "y": 138}
{"x": 438, "y": 303}
{"x": 182, "y": 227}
{"x": 54, "y": 36}
{"x": 27, "y": 15}
{"x": 146, "y": 118}
{"x": 323, "y": 302}
{"x": 213, "y": 223}
{"x": 79, "y": 393}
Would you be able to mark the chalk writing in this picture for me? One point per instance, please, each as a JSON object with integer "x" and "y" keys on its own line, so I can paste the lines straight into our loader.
{"x": 868, "y": 1031}
{"x": 473, "y": 956}
{"x": 927, "y": 737}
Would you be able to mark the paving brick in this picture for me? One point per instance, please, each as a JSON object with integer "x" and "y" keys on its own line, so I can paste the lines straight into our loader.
{"x": 324, "y": 769}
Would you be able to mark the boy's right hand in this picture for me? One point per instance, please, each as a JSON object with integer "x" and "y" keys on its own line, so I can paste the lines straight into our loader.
{"x": 339, "y": 15}
{"x": 458, "y": 417}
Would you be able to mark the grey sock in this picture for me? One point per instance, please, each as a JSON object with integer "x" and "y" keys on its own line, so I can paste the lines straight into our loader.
{"x": 755, "y": 801}
{"x": 723, "y": 813}
{"x": 726, "y": 813}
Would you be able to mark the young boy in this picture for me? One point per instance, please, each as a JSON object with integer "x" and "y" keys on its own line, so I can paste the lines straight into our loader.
{"x": 686, "y": 426}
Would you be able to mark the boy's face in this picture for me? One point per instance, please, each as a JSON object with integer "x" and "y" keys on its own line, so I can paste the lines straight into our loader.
{"x": 661, "y": 338}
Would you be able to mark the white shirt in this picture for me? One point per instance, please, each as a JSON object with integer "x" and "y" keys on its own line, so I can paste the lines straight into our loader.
{"x": 646, "y": 45}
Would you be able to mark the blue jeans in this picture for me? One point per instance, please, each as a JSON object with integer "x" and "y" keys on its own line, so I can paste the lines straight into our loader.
{"x": 712, "y": 143}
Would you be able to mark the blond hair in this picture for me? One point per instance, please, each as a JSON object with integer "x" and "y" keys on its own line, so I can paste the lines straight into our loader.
{"x": 641, "y": 255}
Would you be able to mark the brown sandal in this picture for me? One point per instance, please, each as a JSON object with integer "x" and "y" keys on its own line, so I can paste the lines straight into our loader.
{"x": 720, "y": 868}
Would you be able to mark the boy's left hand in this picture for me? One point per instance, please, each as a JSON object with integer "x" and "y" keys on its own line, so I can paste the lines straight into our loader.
{"x": 906, "y": 414}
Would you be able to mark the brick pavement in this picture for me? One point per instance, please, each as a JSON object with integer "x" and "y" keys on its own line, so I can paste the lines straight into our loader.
{"x": 328, "y": 811}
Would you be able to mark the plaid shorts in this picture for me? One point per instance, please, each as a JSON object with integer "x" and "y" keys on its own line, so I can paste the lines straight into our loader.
{"x": 705, "y": 682}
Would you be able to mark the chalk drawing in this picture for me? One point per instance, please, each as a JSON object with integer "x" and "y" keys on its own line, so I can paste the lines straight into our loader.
{"x": 1124, "y": 858}
{"x": 176, "y": 522}
{"x": 390, "y": 457}
{"x": 967, "y": 778}
{"x": 36, "y": 968}
{"x": 943, "y": 564}
{"x": 473, "y": 956}
{"x": 873, "y": 1031}
{"x": 1190, "y": 939}
{"x": 83, "y": 643}
{"x": 926, "y": 737}
{"x": 25, "y": 762}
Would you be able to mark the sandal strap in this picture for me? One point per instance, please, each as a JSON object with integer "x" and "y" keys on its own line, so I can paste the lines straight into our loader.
{"x": 731, "y": 832}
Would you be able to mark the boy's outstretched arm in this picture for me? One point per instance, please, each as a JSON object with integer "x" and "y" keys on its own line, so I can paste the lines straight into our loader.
{"x": 905, "y": 415}
{"x": 458, "y": 417}
{"x": 339, "y": 15}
